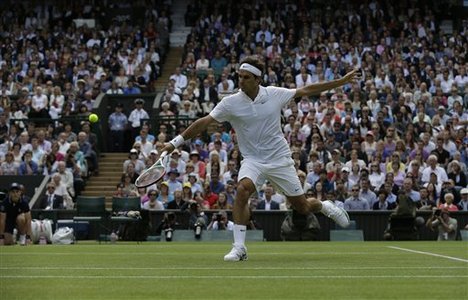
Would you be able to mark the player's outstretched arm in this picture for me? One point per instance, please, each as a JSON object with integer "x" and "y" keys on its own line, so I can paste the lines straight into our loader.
{"x": 317, "y": 88}
{"x": 192, "y": 131}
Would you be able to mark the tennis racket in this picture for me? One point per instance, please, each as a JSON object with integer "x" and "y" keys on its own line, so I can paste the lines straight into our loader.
{"x": 153, "y": 174}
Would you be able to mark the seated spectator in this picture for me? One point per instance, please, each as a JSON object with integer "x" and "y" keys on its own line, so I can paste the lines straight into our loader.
{"x": 133, "y": 158}
{"x": 132, "y": 88}
{"x": 354, "y": 160}
{"x": 114, "y": 89}
{"x": 463, "y": 204}
{"x": 376, "y": 176}
{"x": 455, "y": 173}
{"x": 354, "y": 175}
{"x": 192, "y": 178}
{"x": 68, "y": 131}
{"x": 76, "y": 161}
{"x": 178, "y": 202}
{"x": 319, "y": 191}
{"x": 28, "y": 166}
{"x": 177, "y": 162}
{"x": 153, "y": 203}
{"x": 332, "y": 196}
{"x": 61, "y": 190}
{"x": 187, "y": 194}
{"x": 44, "y": 141}
{"x": 198, "y": 164}
{"x": 89, "y": 154}
{"x": 398, "y": 175}
{"x": 425, "y": 203}
{"x": 186, "y": 110}
{"x": 50, "y": 200}
{"x": 55, "y": 152}
{"x": 209, "y": 196}
{"x": 131, "y": 172}
{"x": 216, "y": 186}
{"x": 143, "y": 194}
{"x": 9, "y": 166}
{"x": 39, "y": 104}
{"x": 266, "y": 202}
{"x": 24, "y": 141}
{"x": 119, "y": 192}
{"x": 128, "y": 188}
{"x": 37, "y": 153}
{"x": 57, "y": 101}
{"x": 172, "y": 181}
{"x": 219, "y": 146}
{"x": 215, "y": 165}
{"x": 302, "y": 178}
{"x": 164, "y": 196}
{"x": 63, "y": 143}
{"x": 355, "y": 202}
{"x": 222, "y": 202}
{"x": 179, "y": 78}
{"x": 199, "y": 198}
{"x": 382, "y": 202}
{"x": 434, "y": 168}
{"x": 448, "y": 203}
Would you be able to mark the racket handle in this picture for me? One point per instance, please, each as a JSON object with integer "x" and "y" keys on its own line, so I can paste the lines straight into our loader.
{"x": 163, "y": 154}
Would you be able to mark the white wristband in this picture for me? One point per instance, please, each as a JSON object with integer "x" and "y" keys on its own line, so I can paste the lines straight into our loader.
{"x": 177, "y": 141}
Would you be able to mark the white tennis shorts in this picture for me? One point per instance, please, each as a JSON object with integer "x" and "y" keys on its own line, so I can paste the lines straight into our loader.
{"x": 280, "y": 173}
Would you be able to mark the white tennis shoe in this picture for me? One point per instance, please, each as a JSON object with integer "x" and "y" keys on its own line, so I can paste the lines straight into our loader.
{"x": 237, "y": 254}
{"x": 22, "y": 240}
{"x": 337, "y": 214}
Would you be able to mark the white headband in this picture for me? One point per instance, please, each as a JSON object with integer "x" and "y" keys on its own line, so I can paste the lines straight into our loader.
{"x": 251, "y": 69}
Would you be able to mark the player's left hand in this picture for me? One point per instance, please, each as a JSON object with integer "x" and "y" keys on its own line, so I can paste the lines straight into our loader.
{"x": 168, "y": 147}
{"x": 352, "y": 76}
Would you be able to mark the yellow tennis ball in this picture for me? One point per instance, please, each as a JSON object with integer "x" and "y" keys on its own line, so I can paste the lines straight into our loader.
{"x": 93, "y": 118}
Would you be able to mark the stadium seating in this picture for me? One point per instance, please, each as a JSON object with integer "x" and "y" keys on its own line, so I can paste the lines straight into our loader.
{"x": 92, "y": 210}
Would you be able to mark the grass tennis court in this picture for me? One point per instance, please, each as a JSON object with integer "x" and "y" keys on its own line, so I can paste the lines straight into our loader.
{"x": 275, "y": 270}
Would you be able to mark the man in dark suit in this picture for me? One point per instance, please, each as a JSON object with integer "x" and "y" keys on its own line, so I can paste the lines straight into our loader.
{"x": 208, "y": 93}
{"x": 50, "y": 200}
{"x": 267, "y": 202}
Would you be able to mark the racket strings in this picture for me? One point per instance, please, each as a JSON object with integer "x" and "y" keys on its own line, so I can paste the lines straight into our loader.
{"x": 150, "y": 176}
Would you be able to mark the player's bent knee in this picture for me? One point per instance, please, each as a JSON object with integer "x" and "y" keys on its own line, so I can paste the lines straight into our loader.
{"x": 244, "y": 190}
{"x": 300, "y": 204}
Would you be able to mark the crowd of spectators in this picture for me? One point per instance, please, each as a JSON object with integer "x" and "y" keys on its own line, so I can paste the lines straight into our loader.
{"x": 401, "y": 129}
{"x": 55, "y": 58}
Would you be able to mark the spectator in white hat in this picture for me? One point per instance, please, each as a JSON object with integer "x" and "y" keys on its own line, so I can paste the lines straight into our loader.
{"x": 463, "y": 204}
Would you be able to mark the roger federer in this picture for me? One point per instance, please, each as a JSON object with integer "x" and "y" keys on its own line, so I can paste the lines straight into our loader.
{"x": 255, "y": 112}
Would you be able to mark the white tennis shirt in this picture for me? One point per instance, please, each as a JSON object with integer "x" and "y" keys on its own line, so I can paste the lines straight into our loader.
{"x": 257, "y": 123}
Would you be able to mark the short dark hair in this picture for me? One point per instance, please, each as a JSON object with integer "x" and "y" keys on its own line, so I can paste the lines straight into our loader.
{"x": 254, "y": 61}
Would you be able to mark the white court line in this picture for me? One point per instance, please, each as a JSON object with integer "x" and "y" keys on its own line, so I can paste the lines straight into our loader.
{"x": 226, "y": 276}
{"x": 429, "y": 253}
{"x": 228, "y": 269}
{"x": 193, "y": 253}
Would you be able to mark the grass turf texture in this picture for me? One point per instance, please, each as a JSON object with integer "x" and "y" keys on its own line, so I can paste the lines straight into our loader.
{"x": 275, "y": 270}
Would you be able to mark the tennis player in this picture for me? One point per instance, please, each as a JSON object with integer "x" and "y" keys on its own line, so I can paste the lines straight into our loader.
{"x": 254, "y": 112}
